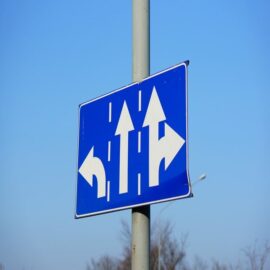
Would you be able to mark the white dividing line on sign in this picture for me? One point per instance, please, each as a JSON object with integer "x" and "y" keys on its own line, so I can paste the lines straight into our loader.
{"x": 139, "y": 100}
{"x": 109, "y": 150}
{"x": 110, "y": 112}
{"x": 139, "y": 142}
{"x": 108, "y": 190}
{"x": 139, "y": 184}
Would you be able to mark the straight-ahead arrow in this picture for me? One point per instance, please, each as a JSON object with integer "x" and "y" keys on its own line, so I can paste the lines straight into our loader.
{"x": 167, "y": 147}
{"x": 154, "y": 115}
{"x": 124, "y": 126}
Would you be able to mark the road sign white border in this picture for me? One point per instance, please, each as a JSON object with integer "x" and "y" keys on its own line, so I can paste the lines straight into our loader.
{"x": 189, "y": 194}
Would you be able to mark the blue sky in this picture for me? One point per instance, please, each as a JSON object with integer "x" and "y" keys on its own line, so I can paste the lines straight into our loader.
{"x": 55, "y": 55}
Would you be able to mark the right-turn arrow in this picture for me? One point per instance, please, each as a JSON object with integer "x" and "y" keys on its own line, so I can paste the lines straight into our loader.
{"x": 167, "y": 147}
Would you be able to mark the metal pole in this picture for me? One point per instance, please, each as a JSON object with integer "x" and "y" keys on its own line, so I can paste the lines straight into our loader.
{"x": 141, "y": 67}
{"x": 141, "y": 39}
{"x": 140, "y": 257}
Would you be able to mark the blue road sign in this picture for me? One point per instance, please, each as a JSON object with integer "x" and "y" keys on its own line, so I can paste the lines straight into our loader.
{"x": 133, "y": 145}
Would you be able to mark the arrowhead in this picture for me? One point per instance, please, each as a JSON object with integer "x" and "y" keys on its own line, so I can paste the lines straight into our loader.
{"x": 155, "y": 113}
{"x": 84, "y": 169}
{"x": 173, "y": 143}
{"x": 125, "y": 123}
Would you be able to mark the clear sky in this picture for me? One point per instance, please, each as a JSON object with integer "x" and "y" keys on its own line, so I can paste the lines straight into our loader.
{"x": 55, "y": 55}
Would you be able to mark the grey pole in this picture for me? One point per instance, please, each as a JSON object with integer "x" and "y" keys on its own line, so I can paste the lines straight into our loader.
{"x": 141, "y": 39}
{"x": 141, "y": 69}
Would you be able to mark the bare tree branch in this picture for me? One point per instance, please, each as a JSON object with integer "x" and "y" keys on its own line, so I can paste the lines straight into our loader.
{"x": 103, "y": 263}
{"x": 257, "y": 258}
{"x": 169, "y": 253}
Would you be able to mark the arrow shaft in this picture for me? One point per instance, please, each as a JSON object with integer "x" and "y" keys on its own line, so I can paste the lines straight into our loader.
{"x": 154, "y": 155}
{"x": 123, "y": 164}
{"x": 97, "y": 169}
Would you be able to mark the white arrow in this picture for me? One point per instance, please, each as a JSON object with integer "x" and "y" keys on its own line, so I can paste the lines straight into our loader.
{"x": 124, "y": 126}
{"x": 154, "y": 115}
{"x": 94, "y": 166}
{"x": 170, "y": 145}
{"x": 167, "y": 147}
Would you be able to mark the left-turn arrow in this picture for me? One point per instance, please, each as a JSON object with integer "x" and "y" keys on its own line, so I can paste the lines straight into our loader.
{"x": 94, "y": 166}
